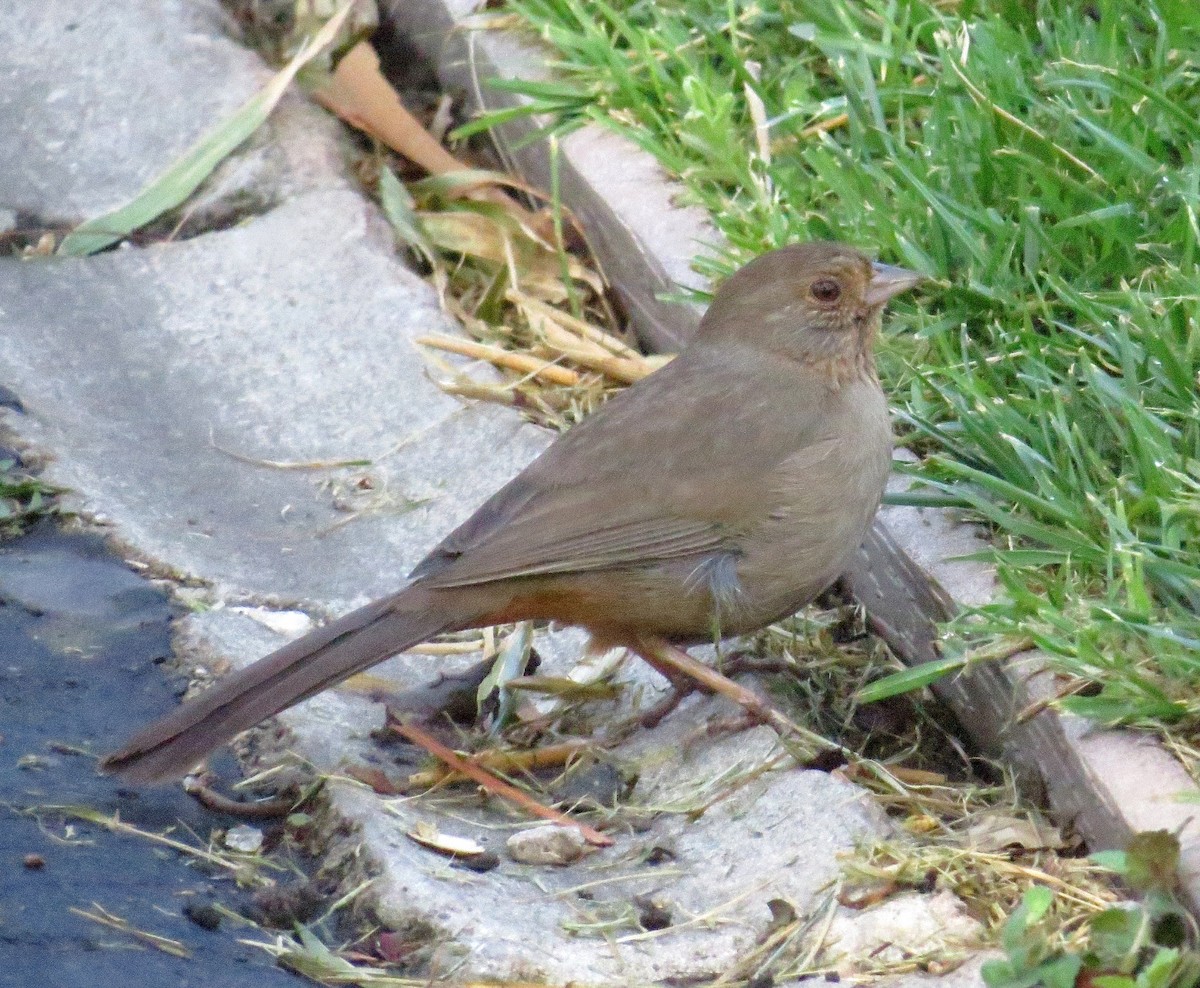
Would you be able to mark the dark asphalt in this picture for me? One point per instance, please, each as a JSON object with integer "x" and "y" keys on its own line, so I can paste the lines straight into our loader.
{"x": 82, "y": 638}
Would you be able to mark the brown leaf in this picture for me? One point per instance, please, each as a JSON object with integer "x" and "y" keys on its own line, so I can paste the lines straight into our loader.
{"x": 376, "y": 778}
{"x": 996, "y": 832}
{"x": 359, "y": 94}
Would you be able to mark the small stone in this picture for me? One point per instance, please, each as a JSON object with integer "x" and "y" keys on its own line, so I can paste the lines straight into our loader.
{"x": 487, "y": 861}
{"x": 903, "y": 926}
{"x": 33, "y": 862}
{"x": 203, "y": 914}
{"x": 547, "y": 845}
{"x": 244, "y": 838}
{"x": 291, "y": 624}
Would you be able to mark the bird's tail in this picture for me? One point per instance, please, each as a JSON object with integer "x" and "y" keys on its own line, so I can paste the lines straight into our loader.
{"x": 172, "y": 745}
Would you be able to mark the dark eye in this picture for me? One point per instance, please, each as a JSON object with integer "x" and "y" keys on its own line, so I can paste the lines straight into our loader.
{"x": 826, "y": 290}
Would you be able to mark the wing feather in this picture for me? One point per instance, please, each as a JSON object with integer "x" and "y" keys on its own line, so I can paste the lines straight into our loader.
{"x": 637, "y": 542}
{"x": 676, "y": 467}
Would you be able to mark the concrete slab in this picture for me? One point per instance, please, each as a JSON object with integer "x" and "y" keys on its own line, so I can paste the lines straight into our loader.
{"x": 96, "y": 99}
{"x": 778, "y": 838}
{"x": 164, "y": 381}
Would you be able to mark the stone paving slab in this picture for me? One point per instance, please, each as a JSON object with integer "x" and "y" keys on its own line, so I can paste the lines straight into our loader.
{"x": 777, "y": 839}
{"x": 72, "y": 149}
{"x": 153, "y": 375}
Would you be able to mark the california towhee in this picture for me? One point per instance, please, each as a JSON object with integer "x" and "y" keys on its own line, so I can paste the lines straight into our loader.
{"x": 720, "y": 494}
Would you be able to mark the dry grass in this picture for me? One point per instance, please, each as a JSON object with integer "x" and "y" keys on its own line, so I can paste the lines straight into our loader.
{"x": 537, "y": 313}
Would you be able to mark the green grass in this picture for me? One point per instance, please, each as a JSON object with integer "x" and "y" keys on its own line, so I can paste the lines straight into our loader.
{"x": 23, "y": 499}
{"x": 1041, "y": 161}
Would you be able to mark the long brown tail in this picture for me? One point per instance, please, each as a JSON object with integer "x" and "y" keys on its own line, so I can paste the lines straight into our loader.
{"x": 302, "y": 668}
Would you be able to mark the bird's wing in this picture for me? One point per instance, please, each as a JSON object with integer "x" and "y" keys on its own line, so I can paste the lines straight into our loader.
{"x": 555, "y": 538}
{"x": 675, "y": 467}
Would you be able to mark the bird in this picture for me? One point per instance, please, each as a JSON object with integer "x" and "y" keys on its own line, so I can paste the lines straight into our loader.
{"x": 716, "y": 496}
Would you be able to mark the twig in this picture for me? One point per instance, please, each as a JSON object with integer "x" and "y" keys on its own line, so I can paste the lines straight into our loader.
{"x": 496, "y": 786}
{"x": 266, "y": 810}
{"x": 551, "y": 756}
{"x": 503, "y": 358}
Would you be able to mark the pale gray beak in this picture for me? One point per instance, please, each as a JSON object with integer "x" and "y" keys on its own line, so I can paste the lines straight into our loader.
{"x": 887, "y": 280}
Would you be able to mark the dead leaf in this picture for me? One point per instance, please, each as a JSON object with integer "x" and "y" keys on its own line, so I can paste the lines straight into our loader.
{"x": 429, "y": 836}
{"x": 376, "y": 779}
{"x": 997, "y": 832}
{"x": 359, "y": 94}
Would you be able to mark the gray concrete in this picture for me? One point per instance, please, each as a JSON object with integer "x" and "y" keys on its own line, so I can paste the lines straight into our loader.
{"x": 777, "y": 838}
{"x": 153, "y": 375}
{"x": 96, "y": 99}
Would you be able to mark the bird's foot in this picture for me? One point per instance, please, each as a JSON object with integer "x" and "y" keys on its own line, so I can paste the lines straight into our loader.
{"x": 664, "y": 656}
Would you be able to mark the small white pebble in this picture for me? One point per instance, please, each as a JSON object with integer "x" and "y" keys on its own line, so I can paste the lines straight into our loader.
{"x": 289, "y": 623}
{"x": 244, "y": 838}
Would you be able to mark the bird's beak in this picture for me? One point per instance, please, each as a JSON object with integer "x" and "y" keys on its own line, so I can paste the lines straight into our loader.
{"x": 887, "y": 280}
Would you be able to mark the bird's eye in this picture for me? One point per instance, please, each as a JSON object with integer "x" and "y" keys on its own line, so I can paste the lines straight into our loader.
{"x": 826, "y": 290}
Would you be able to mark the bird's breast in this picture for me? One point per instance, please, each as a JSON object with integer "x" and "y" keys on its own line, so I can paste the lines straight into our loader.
{"x": 824, "y": 498}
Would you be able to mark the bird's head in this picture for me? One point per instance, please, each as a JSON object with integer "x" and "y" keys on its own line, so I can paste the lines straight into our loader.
{"x": 819, "y": 303}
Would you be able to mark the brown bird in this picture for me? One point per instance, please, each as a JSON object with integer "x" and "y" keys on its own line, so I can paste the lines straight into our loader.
{"x": 716, "y": 496}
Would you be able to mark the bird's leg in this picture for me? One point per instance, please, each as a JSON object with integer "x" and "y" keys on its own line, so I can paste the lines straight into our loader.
{"x": 686, "y": 675}
{"x": 681, "y": 686}
{"x": 664, "y": 656}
